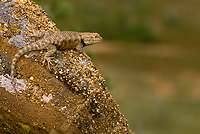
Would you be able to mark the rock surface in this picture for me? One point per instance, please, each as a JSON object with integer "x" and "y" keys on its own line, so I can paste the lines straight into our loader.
{"x": 72, "y": 97}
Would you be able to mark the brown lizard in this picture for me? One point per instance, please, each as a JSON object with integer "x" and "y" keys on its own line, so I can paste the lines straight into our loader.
{"x": 61, "y": 40}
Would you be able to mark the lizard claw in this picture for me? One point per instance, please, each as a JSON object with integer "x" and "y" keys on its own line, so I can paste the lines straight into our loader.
{"x": 49, "y": 61}
{"x": 34, "y": 34}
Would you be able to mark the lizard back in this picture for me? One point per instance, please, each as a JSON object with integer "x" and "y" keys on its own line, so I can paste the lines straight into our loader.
{"x": 67, "y": 40}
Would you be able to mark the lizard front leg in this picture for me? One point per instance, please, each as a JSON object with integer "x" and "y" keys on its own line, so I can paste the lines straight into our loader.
{"x": 79, "y": 47}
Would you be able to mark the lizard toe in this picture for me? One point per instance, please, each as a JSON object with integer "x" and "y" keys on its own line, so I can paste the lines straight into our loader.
{"x": 49, "y": 61}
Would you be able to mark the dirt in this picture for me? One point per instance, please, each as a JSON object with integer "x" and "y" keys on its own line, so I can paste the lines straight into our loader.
{"x": 71, "y": 97}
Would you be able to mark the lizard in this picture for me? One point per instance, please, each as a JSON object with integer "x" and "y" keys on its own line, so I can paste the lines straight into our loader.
{"x": 61, "y": 40}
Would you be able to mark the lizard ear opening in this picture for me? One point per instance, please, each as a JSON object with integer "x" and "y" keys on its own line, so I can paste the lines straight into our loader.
{"x": 87, "y": 41}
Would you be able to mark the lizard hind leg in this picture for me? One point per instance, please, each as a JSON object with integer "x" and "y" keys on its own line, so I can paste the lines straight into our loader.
{"x": 43, "y": 34}
{"x": 51, "y": 49}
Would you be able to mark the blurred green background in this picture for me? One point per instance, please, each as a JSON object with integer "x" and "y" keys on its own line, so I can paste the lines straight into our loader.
{"x": 150, "y": 57}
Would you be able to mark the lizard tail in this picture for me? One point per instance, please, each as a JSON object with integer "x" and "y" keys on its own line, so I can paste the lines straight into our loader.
{"x": 12, "y": 75}
{"x": 14, "y": 61}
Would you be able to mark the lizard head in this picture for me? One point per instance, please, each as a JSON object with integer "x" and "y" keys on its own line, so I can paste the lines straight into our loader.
{"x": 90, "y": 38}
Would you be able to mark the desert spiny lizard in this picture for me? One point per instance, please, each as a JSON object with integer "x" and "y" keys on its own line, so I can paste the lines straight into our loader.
{"x": 61, "y": 40}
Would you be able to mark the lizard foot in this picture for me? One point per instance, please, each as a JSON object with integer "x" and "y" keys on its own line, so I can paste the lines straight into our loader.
{"x": 49, "y": 61}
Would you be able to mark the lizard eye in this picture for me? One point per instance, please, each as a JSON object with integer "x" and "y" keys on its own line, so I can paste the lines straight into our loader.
{"x": 95, "y": 36}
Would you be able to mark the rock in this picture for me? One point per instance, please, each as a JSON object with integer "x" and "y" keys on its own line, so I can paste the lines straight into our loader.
{"x": 79, "y": 98}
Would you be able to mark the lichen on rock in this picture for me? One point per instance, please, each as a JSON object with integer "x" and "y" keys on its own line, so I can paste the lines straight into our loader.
{"x": 79, "y": 100}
